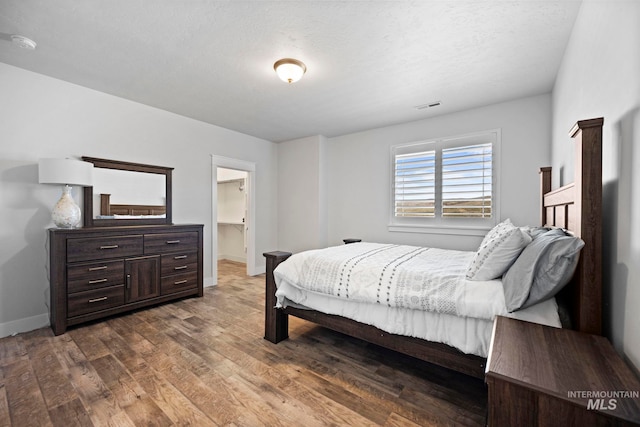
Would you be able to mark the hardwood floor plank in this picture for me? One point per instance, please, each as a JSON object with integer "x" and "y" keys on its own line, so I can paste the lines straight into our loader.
{"x": 128, "y": 394}
{"x": 174, "y": 404}
{"x": 344, "y": 397}
{"x": 87, "y": 338}
{"x": 70, "y": 414}
{"x": 94, "y": 394}
{"x": 275, "y": 384}
{"x": 208, "y": 395}
{"x": 26, "y": 403}
{"x": 396, "y": 420}
{"x": 204, "y": 362}
{"x": 50, "y": 374}
{"x": 5, "y": 420}
{"x": 12, "y": 350}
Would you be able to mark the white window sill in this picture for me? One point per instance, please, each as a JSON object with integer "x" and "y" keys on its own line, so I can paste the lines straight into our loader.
{"x": 439, "y": 229}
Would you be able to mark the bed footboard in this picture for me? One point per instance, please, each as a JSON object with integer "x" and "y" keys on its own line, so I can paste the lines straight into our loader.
{"x": 276, "y": 322}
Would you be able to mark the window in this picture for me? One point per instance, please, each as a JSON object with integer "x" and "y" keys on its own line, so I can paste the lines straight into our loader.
{"x": 445, "y": 184}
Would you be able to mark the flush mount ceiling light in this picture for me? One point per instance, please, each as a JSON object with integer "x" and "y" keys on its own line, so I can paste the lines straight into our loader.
{"x": 23, "y": 42}
{"x": 289, "y": 70}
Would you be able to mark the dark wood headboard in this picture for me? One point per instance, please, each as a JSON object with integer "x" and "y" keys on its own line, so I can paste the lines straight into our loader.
{"x": 108, "y": 209}
{"x": 577, "y": 207}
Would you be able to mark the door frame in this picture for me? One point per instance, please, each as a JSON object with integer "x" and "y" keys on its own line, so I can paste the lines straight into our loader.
{"x": 250, "y": 221}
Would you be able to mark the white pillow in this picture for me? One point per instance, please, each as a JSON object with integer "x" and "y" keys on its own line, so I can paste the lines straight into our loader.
{"x": 498, "y": 250}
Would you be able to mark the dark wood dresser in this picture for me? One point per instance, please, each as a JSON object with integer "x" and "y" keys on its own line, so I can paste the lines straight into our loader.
{"x": 543, "y": 376}
{"x": 101, "y": 271}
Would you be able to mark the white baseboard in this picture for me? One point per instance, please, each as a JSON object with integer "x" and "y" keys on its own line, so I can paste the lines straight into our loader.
{"x": 208, "y": 281}
{"x": 233, "y": 258}
{"x": 24, "y": 325}
{"x": 260, "y": 269}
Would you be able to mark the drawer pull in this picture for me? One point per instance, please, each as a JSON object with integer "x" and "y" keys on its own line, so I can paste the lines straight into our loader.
{"x": 109, "y": 247}
{"x": 172, "y": 242}
{"x": 182, "y": 267}
{"x": 128, "y": 281}
{"x": 104, "y": 267}
{"x": 98, "y": 299}
{"x": 93, "y": 282}
{"x": 180, "y": 282}
{"x": 180, "y": 257}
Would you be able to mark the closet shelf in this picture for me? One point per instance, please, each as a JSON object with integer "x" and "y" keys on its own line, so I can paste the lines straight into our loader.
{"x": 230, "y": 223}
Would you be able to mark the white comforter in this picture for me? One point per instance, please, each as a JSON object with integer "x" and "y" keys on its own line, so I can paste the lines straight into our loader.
{"x": 405, "y": 290}
{"x": 409, "y": 277}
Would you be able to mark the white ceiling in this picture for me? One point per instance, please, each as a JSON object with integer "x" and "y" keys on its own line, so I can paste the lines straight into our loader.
{"x": 369, "y": 63}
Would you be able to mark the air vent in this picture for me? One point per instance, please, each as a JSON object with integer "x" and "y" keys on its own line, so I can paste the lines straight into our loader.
{"x": 425, "y": 106}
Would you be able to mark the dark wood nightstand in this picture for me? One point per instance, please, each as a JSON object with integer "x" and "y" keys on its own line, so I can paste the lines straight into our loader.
{"x": 539, "y": 375}
{"x": 347, "y": 241}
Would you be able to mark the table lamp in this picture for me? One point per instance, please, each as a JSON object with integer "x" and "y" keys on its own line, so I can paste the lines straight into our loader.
{"x": 66, "y": 213}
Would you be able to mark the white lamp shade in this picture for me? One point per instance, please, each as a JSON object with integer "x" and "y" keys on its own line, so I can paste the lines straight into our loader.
{"x": 65, "y": 171}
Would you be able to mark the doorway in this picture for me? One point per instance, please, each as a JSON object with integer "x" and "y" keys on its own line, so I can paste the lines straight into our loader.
{"x": 233, "y": 213}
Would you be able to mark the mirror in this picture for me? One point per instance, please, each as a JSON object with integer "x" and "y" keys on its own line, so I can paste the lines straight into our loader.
{"x": 126, "y": 193}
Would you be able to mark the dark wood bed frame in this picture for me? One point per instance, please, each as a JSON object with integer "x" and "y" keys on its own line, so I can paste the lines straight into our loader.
{"x": 576, "y": 207}
{"x": 108, "y": 209}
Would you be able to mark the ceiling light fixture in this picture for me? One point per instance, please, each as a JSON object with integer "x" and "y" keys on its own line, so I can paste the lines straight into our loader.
{"x": 23, "y": 42}
{"x": 289, "y": 70}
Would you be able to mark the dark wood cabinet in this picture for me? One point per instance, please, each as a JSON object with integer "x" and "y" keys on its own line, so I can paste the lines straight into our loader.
{"x": 102, "y": 271}
{"x": 142, "y": 278}
{"x": 543, "y": 376}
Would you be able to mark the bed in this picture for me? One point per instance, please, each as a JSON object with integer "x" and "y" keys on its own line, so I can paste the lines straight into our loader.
{"x": 576, "y": 207}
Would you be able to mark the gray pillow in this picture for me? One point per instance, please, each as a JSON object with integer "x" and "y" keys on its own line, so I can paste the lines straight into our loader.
{"x": 544, "y": 267}
{"x": 535, "y": 231}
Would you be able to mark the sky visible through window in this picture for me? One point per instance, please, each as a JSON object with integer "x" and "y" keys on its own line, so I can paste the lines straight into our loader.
{"x": 466, "y": 182}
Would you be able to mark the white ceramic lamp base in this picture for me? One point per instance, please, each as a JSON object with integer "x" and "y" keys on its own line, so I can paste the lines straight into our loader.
{"x": 66, "y": 214}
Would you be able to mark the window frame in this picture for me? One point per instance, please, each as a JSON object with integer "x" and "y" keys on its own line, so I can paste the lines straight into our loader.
{"x": 440, "y": 225}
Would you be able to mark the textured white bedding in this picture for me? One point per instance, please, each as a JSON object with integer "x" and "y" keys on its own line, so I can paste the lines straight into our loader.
{"x": 463, "y": 318}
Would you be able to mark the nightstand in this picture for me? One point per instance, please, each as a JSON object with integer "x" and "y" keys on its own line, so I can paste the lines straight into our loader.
{"x": 539, "y": 375}
{"x": 347, "y": 241}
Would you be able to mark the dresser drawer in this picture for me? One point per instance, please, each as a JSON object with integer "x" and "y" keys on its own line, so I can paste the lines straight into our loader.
{"x": 95, "y": 300}
{"x": 179, "y": 282}
{"x": 103, "y": 247}
{"x": 170, "y": 242}
{"x": 88, "y": 276}
{"x": 179, "y": 262}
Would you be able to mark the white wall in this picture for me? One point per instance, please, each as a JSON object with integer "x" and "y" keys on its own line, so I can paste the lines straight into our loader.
{"x": 45, "y": 117}
{"x": 302, "y": 196}
{"x": 600, "y": 77}
{"x": 359, "y": 170}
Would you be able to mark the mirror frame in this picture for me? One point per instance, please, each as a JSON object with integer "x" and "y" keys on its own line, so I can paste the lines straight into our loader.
{"x": 90, "y": 221}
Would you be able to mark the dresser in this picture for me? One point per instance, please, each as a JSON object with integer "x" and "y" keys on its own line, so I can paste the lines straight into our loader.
{"x": 543, "y": 376}
{"x": 101, "y": 271}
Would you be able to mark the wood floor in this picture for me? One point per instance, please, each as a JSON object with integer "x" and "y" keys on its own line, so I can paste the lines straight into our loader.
{"x": 204, "y": 362}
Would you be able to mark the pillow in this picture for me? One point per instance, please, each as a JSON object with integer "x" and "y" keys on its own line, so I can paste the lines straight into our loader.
{"x": 543, "y": 268}
{"x": 499, "y": 228}
{"x": 498, "y": 250}
{"x": 534, "y": 231}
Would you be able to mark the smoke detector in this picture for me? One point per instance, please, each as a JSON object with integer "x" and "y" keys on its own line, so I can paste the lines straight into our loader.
{"x": 23, "y": 42}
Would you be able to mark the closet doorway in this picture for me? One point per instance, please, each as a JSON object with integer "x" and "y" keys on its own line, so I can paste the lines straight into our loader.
{"x": 233, "y": 213}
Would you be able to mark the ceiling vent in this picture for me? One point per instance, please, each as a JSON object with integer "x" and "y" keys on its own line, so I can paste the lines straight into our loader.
{"x": 429, "y": 105}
